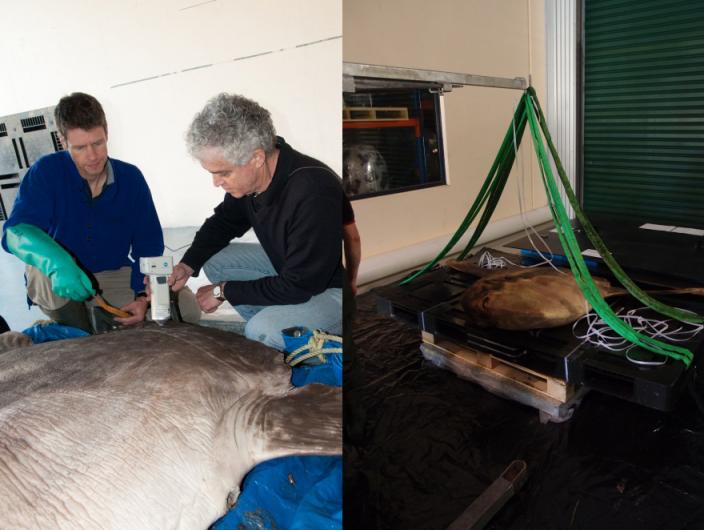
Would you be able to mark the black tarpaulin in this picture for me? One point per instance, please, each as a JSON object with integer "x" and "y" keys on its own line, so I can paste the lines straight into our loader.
{"x": 422, "y": 444}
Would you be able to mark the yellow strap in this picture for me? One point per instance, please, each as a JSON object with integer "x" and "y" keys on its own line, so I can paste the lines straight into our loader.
{"x": 310, "y": 355}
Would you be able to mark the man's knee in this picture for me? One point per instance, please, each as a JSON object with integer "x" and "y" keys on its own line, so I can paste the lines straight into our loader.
{"x": 225, "y": 259}
{"x": 239, "y": 262}
{"x": 39, "y": 290}
{"x": 211, "y": 271}
{"x": 264, "y": 331}
{"x": 74, "y": 314}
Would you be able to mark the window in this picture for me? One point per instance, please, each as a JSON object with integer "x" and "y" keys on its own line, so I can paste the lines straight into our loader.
{"x": 392, "y": 140}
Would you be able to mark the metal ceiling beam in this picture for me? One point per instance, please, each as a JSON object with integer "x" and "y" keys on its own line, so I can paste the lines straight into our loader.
{"x": 430, "y": 77}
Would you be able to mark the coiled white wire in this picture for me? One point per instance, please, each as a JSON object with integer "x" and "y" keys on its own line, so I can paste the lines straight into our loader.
{"x": 601, "y": 335}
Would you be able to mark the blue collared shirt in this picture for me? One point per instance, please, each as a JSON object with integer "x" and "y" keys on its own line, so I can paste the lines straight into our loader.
{"x": 102, "y": 232}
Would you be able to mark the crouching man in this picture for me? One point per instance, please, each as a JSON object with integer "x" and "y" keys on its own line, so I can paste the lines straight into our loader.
{"x": 294, "y": 276}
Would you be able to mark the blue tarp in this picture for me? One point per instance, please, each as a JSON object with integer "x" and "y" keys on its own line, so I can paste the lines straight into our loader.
{"x": 289, "y": 493}
{"x": 49, "y": 332}
{"x": 329, "y": 373}
{"x": 297, "y": 492}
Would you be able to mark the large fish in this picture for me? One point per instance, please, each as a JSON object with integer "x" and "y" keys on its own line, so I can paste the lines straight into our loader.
{"x": 540, "y": 297}
{"x": 150, "y": 428}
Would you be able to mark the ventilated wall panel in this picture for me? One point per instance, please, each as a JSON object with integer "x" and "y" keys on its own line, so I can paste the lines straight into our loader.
{"x": 644, "y": 110}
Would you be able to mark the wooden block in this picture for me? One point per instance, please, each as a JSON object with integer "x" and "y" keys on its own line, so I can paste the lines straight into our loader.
{"x": 557, "y": 387}
{"x": 390, "y": 113}
{"x": 360, "y": 113}
{"x": 427, "y": 337}
{"x": 501, "y": 368}
{"x": 374, "y": 113}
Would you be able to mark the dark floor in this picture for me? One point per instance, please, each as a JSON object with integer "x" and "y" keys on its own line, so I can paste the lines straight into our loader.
{"x": 422, "y": 444}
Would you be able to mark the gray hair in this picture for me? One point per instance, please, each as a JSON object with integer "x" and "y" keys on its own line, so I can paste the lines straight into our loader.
{"x": 234, "y": 124}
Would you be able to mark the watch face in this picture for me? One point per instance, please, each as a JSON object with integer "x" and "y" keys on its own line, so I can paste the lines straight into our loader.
{"x": 218, "y": 292}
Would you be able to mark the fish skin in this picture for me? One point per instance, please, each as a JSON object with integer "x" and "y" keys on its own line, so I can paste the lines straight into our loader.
{"x": 524, "y": 299}
{"x": 148, "y": 428}
{"x": 13, "y": 339}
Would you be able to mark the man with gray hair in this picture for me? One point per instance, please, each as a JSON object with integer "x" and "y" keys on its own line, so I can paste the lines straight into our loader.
{"x": 293, "y": 202}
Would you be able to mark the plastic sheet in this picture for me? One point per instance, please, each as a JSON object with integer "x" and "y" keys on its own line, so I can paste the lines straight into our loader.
{"x": 45, "y": 333}
{"x": 292, "y": 492}
{"x": 326, "y": 374}
{"x": 296, "y": 493}
{"x": 422, "y": 444}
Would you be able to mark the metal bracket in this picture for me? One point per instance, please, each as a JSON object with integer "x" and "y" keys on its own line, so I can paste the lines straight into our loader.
{"x": 442, "y": 90}
{"x": 435, "y": 79}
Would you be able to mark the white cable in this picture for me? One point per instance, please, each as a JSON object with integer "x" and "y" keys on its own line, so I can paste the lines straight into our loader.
{"x": 601, "y": 335}
{"x": 490, "y": 262}
{"x": 486, "y": 260}
{"x": 527, "y": 227}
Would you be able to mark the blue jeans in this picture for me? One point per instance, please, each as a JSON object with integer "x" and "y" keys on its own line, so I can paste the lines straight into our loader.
{"x": 248, "y": 261}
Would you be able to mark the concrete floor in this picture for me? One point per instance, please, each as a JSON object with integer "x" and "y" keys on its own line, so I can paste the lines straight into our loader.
{"x": 13, "y": 305}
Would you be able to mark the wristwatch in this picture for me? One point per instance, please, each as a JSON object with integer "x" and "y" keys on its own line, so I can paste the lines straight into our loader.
{"x": 219, "y": 291}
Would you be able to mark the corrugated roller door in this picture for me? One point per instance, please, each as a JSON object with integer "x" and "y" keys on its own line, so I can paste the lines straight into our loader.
{"x": 644, "y": 110}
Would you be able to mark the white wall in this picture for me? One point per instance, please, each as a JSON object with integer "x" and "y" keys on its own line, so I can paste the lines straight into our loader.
{"x": 154, "y": 63}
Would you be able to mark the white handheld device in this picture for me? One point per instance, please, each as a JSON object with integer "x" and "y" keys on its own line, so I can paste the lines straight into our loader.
{"x": 158, "y": 269}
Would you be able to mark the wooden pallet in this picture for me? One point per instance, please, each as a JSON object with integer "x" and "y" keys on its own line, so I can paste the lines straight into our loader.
{"x": 465, "y": 361}
{"x": 374, "y": 113}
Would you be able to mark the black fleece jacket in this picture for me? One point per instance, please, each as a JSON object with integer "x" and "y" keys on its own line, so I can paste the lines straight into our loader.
{"x": 298, "y": 223}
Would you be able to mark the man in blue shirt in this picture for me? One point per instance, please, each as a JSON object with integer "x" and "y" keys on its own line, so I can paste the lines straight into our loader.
{"x": 80, "y": 213}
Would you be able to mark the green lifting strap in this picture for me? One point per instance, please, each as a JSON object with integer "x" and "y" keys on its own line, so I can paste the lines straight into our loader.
{"x": 491, "y": 190}
{"x": 529, "y": 111}
{"x": 503, "y": 174}
{"x": 576, "y": 260}
{"x": 598, "y": 243}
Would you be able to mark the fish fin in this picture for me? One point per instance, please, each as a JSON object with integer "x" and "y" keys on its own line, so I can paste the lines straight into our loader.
{"x": 306, "y": 420}
{"x": 13, "y": 339}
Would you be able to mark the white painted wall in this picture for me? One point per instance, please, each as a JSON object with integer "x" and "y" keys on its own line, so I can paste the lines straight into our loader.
{"x": 154, "y": 63}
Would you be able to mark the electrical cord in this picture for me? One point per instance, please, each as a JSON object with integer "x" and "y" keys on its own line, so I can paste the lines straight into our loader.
{"x": 600, "y": 334}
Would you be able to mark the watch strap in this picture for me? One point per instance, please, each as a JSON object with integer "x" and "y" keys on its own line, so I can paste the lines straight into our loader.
{"x": 221, "y": 295}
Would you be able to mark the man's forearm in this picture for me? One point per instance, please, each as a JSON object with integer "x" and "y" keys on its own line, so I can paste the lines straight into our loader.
{"x": 35, "y": 247}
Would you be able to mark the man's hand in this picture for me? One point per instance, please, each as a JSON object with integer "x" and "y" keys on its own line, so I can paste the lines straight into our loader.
{"x": 180, "y": 276}
{"x": 137, "y": 309}
{"x": 207, "y": 302}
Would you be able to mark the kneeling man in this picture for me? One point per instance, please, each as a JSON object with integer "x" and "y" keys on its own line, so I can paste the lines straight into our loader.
{"x": 294, "y": 276}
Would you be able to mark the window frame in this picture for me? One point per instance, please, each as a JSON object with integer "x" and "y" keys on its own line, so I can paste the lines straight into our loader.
{"x": 362, "y": 75}
{"x": 437, "y": 94}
